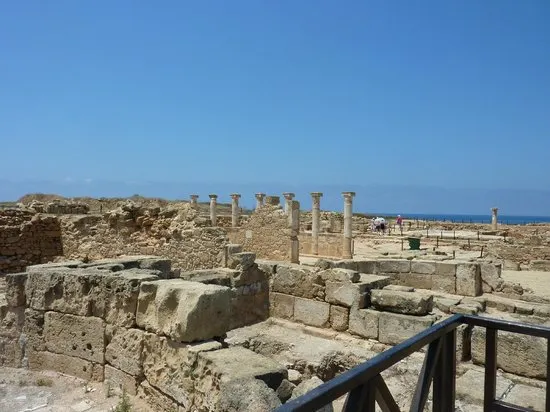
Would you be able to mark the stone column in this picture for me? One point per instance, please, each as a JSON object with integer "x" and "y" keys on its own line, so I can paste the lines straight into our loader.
{"x": 259, "y": 200}
{"x": 194, "y": 203}
{"x": 315, "y": 221}
{"x": 494, "y": 218}
{"x": 288, "y": 201}
{"x": 294, "y": 213}
{"x": 235, "y": 209}
{"x": 348, "y": 213}
{"x": 213, "y": 203}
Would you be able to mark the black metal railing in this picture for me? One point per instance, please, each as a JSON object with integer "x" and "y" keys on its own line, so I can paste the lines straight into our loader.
{"x": 366, "y": 387}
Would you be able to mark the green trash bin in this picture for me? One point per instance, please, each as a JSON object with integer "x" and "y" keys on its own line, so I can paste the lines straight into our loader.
{"x": 414, "y": 243}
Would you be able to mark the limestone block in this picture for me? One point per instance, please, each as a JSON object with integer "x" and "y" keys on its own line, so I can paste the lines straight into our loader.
{"x": 11, "y": 352}
{"x": 156, "y": 399}
{"x": 347, "y": 294}
{"x": 399, "y": 288}
{"x": 393, "y": 266}
{"x": 11, "y": 321}
{"x": 519, "y": 354}
{"x": 529, "y": 397}
{"x": 267, "y": 266}
{"x": 500, "y": 303}
{"x": 247, "y": 395}
{"x": 445, "y": 269}
{"x": 414, "y": 280}
{"x": 394, "y": 328}
{"x": 124, "y": 349}
{"x": 296, "y": 280}
{"x": 236, "y": 363}
{"x": 366, "y": 266}
{"x": 490, "y": 276}
{"x": 220, "y": 276}
{"x": 34, "y": 330}
{"x": 469, "y": 387}
{"x": 184, "y": 311}
{"x": 121, "y": 380}
{"x": 524, "y": 308}
{"x": 311, "y": 312}
{"x": 468, "y": 279}
{"x": 340, "y": 275}
{"x": 443, "y": 283}
{"x": 249, "y": 304}
{"x": 281, "y": 305}
{"x": 339, "y": 318}
{"x": 364, "y": 322}
{"x": 15, "y": 289}
{"x": 423, "y": 268}
{"x": 248, "y": 276}
{"x": 284, "y": 391}
{"x": 464, "y": 309}
{"x": 444, "y": 304}
{"x": 463, "y": 343}
{"x": 69, "y": 365}
{"x": 241, "y": 261}
{"x": 401, "y": 302}
{"x": 164, "y": 266}
{"x": 77, "y": 336}
{"x": 542, "y": 265}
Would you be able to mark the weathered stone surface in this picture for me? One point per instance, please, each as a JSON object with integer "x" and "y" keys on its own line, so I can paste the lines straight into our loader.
{"x": 121, "y": 380}
{"x": 527, "y": 396}
{"x": 445, "y": 269}
{"x": 445, "y": 284}
{"x": 543, "y": 265}
{"x": 77, "y": 336}
{"x": 520, "y": 354}
{"x": 300, "y": 281}
{"x": 423, "y": 268}
{"x": 500, "y": 303}
{"x": 221, "y": 277}
{"x": 394, "y": 328}
{"x": 248, "y": 395}
{"x": 311, "y": 312}
{"x": 401, "y": 302}
{"x": 347, "y": 294}
{"x": 241, "y": 260}
{"x": 414, "y": 280}
{"x": 340, "y": 275}
{"x": 281, "y": 305}
{"x": 267, "y": 266}
{"x": 399, "y": 288}
{"x": 184, "y": 311}
{"x": 124, "y": 349}
{"x": 490, "y": 276}
{"x": 469, "y": 387}
{"x": 284, "y": 391}
{"x": 69, "y": 365}
{"x": 468, "y": 279}
{"x": 33, "y": 330}
{"x": 339, "y": 318}
{"x": 393, "y": 266}
{"x": 307, "y": 386}
{"x": 294, "y": 376}
{"x": 364, "y": 322}
{"x": 156, "y": 399}
{"x": 444, "y": 304}
{"x": 366, "y": 266}
{"x": 239, "y": 363}
{"x": 164, "y": 266}
{"x": 524, "y": 308}
{"x": 463, "y": 343}
{"x": 15, "y": 289}
{"x": 464, "y": 309}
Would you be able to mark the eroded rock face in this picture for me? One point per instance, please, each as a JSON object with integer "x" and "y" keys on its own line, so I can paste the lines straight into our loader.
{"x": 409, "y": 303}
{"x": 184, "y": 311}
{"x": 247, "y": 395}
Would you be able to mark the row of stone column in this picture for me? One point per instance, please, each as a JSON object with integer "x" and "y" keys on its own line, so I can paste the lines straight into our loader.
{"x": 290, "y": 205}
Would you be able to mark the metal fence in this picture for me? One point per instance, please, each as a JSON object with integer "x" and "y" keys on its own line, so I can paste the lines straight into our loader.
{"x": 366, "y": 387}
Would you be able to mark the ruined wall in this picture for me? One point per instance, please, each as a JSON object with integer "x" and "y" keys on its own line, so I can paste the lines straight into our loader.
{"x": 27, "y": 239}
{"x": 59, "y": 207}
{"x": 124, "y": 322}
{"x": 266, "y": 233}
{"x": 175, "y": 233}
{"x": 330, "y": 244}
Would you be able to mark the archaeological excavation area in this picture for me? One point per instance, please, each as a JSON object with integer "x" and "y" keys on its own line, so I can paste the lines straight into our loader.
{"x": 188, "y": 306}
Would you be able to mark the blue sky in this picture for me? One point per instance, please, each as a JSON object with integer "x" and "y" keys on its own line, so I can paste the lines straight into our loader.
{"x": 249, "y": 95}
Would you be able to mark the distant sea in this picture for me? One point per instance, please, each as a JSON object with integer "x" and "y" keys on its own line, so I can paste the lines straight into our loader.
{"x": 509, "y": 220}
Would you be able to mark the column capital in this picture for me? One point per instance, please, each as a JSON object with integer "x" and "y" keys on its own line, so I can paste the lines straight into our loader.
{"x": 259, "y": 195}
{"x": 494, "y": 209}
{"x": 289, "y": 195}
{"x": 194, "y": 196}
{"x": 213, "y": 196}
{"x": 348, "y": 194}
{"x": 316, "y": 194}
{"x": 235, "y": 196}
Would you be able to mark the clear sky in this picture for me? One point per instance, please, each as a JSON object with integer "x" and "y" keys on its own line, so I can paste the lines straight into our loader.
{"x": 301, "y": 94}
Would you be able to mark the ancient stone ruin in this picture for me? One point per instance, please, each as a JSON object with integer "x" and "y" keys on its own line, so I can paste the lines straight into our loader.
{"x": 184, "y": 314}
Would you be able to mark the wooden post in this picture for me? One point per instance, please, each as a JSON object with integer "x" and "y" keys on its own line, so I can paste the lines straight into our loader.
{"x": 436, "y": 242}
{"x": 401, "y": 243}
{"x": 453, "y": 254}
{"x": 454, "y": 234}
{"x": 427, "y": 232}
{"x": 469, "y": 245}
{"x": 481, "y": 254}
{"x": 478, "y": 235}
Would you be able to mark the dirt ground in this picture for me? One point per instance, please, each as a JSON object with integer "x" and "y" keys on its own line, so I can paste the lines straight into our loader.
{"x": 22, "y": 390}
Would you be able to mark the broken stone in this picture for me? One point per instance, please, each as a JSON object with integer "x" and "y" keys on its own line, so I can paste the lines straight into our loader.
{"x": 311, "y": 312}
{"x": 247, "y": 395}
{"x": 401, "y": 302}
{"x": 281, "y": 305}
{"x": 284, "y": 391}
{"x": 399, "y": 288}
{"x": 393, "y": 328}
{"x": 184, "y": 311}
{"x": 340, "y": 275}
{"x": 468, "y": 279}
{"x": 307, "y": 386}
{"x": 364, "y": 322}
{"x": 124, "y": 350}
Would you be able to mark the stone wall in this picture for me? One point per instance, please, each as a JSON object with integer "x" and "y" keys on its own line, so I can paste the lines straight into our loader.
{"x": 330, "y": 245}
{"x": 179, "y": 234}
{"x": 27, "y": 239}
{"x": 59, "y": 207}
{"x": 125, "y": 322}
{"x": 266, "y": 233}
